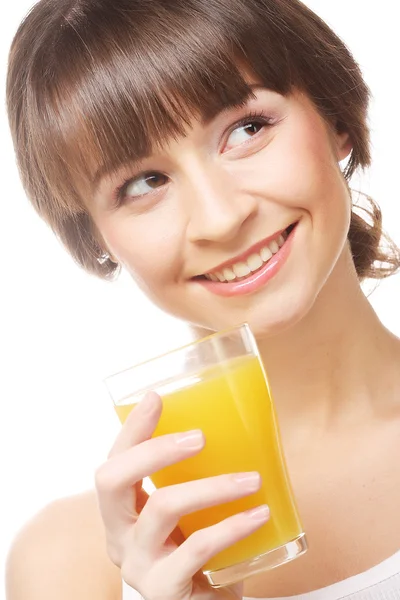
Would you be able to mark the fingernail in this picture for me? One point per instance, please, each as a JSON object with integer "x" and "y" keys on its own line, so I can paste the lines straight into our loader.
{"x": 261, "y": 513}
{"x": 148, "y": 403}
{"x": 248, "y": 481}
{"x": 190, "y": 439}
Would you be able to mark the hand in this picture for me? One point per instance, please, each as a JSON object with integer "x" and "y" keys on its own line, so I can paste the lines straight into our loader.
{"x": 142, "y": 534}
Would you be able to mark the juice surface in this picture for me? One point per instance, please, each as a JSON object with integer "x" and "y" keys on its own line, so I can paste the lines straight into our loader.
{"x": 231, "y": 404}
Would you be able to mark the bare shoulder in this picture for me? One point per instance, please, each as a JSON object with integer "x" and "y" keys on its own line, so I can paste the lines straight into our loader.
{"x": 61, "y": 554}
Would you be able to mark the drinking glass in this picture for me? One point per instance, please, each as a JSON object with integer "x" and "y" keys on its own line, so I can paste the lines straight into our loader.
{"x": 218, "y": 384}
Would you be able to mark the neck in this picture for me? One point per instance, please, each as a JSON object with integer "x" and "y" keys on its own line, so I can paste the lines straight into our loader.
{"x": 327, "y": 371}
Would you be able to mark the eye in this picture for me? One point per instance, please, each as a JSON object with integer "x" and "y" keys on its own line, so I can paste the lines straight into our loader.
{"x": 140, "y": 186}
{"x": 247, "y": 128}
{"x": 144, "y": 184}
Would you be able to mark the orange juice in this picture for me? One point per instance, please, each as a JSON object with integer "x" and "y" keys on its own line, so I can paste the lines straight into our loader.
{"x": 231, "y": 403}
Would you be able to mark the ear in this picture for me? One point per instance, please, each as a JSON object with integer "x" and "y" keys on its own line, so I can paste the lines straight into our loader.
{"x": 110, "y": 256}
{"x": 104, "y": 246}
{"x": 343, "y": 143}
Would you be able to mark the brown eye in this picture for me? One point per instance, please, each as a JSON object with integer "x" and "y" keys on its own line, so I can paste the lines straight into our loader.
{"x": 253, "y": 128}
{"x": 244, "y": 131}
{"x": 144, "y": 184}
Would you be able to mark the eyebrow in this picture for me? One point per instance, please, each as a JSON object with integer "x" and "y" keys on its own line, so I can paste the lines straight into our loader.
{"x": 106, "y": 169}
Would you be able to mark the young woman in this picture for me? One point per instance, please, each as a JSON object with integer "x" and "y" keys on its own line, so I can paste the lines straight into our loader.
{"x": 194, "y": 142}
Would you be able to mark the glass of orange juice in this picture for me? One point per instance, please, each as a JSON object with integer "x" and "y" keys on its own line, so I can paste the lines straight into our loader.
{"x": 218, "y": 384}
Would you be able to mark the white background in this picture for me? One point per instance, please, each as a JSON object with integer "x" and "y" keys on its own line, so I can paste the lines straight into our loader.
{"x": 62, "y": 331}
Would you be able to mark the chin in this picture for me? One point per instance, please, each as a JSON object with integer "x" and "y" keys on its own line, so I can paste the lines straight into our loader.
{"x": 275, "y": 325}
{"x": 269, "y": 317}
{"x": 276, "y": 310}
{"x": 263, "y": 322}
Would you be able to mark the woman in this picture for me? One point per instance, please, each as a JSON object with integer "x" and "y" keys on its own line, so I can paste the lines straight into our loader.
{"x": 189, "y": 142}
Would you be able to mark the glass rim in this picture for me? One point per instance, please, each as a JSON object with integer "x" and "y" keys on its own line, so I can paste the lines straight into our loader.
{"x": 203, "y": 340}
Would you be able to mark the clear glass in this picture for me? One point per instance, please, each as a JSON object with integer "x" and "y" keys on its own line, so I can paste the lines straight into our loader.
{"x": 219, "y": 385}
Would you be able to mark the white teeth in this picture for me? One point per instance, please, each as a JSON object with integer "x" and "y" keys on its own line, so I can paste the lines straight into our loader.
{"x": 241, "y": 270}
{"x": 273, "y": 246}
{"x": 255, "y": 262}
{"x": 266, "y": 254}
{"x": 229, "y": 275}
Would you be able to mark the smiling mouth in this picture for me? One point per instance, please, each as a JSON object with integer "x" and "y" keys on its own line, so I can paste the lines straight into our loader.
{"x": 255, "y": 261}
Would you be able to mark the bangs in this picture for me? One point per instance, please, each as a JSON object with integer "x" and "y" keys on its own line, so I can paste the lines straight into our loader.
{"x": 142, "y": 75}
{"x": 96, "y": 84}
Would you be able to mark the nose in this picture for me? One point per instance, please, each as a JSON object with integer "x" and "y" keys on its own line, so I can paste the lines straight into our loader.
{"x": 217, "y": 208}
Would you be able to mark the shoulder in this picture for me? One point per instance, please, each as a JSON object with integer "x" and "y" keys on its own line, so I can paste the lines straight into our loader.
{"x": 61, "y": 553}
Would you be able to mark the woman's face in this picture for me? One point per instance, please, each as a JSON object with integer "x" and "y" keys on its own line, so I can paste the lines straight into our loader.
{"x": 202, "y": 226}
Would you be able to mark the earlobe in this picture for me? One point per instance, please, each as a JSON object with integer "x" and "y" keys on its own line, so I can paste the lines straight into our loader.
{"x": 106, "y": 257}
{"x": 106, "y": 254}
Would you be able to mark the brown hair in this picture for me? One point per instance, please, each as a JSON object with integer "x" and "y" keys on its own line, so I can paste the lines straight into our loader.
{"x": 101, "y": 82}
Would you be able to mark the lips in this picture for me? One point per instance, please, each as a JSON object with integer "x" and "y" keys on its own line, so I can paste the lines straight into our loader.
{"x": 250, "y": 261}
{"x": 257, "y": 279}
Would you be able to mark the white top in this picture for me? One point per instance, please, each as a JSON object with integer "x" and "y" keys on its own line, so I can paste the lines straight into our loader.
{"x": 379, "y": 583}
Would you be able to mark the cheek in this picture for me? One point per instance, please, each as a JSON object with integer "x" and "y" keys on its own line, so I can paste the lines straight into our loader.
{"x": 148, "y": 246}
{"x": 297, "y": 170}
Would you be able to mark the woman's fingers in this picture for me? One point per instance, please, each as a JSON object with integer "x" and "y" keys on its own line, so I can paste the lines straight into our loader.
{"x": 140, "y": 424}
{"x": 166, "y": 506}
{"x": 145, "y": 540}
{"x": 115, "y": 480}
{"x": 129, "y": 467}
{"x": 138, "y": 427}
{"x": 182, "y": 564}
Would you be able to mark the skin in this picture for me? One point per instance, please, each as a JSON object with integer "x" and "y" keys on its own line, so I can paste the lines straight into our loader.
{"x": 312, "y": 320}
{"x": 224, "y": 192}
{"x": 339, "y": 410}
